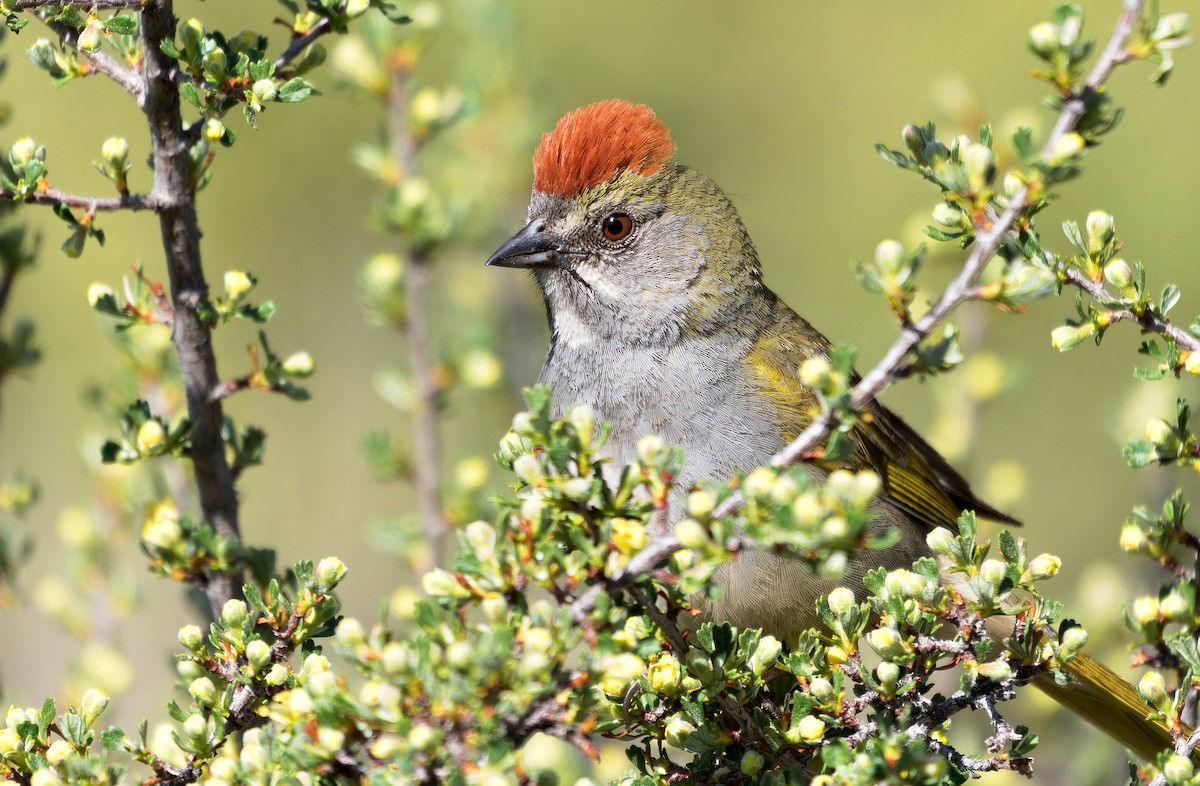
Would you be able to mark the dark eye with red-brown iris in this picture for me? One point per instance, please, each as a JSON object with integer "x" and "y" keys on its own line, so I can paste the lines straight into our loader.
{"x": 616, "y": 227}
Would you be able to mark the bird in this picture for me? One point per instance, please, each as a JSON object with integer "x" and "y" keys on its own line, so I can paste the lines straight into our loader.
{"x": 661, "y": 322}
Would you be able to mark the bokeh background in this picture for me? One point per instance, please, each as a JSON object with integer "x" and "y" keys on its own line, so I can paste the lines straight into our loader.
{"x": 780, "y": 103}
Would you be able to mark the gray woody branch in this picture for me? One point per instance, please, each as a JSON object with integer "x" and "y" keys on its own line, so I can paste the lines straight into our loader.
{"x": 987, "y": 242}
{"x": 175, "y": 196}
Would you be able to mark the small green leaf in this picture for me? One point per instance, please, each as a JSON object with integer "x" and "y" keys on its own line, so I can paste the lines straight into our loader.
{"x": 191, "y": 94}
{"x": 294, "y": 90}
{"x": 122, "y": 24}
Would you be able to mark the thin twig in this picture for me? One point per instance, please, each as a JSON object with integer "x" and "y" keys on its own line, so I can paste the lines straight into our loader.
{"x": 101, "y": 62}
{"x": 52, "y": 196}
{"x": 426, "y": 446}
{"x": 27, "y": 4}
{"x": 1148, "y": 318}
{"x": 174, "y": 192}
{"x": 987, "y": 241}
{"x": 298, "y": 45}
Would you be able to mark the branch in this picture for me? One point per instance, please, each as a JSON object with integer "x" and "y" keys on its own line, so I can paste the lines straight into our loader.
{"x": 175, "y": 194}
{"x": 27, "y": 4}
{"x": 130, "y": 80}
{"x": 426, "y": 470}
{"x": 987, "y": 242}
{"x": 52, "y": 196}
{"x": 298, "y": 45}
{"x": 1148, "y": 319}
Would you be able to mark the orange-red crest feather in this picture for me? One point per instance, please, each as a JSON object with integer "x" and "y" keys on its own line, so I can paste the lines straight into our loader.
{"x": 591, "y": 144}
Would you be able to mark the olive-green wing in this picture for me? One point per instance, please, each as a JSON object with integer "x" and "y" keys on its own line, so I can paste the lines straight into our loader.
{"x": 915, "y": 476}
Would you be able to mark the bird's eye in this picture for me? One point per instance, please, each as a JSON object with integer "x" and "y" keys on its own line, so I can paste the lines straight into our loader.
{"x": 616, "y": 227}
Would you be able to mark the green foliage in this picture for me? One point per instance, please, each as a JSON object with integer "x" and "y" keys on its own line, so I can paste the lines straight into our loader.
{"x": 581, "y": 608}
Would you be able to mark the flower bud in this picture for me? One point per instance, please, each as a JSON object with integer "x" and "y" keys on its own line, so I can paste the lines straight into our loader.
{"x": 234, "y": 614}
{"x": 888, "y": 674}
{"x": 948, "y": 215}
{"x": 481, "y": 537}
{"x": 161, "y": 528}
{"x": 196, "y": 727}
{"x": 45, "y": 776}
{"x": 887, "y": 642}
{"x": 752, "y": 762}
{"x": 92, "y": 705}
{"x": 648, "y": 448}
{"x": 1120, "y": 275}
{"x": 841, "y": 600}
{"x": 1012, "y": 184}
{"x": 1043, "y": 566}
{"x": 1178, "y": 770}
{"x": 993, "y": 571}
{"x": 349, "y": 633}
{"x": 821, "y": 689}
{"x": 628, "y": 535}
{"x": 1133, "y": 538}
{"x": 1153, "y": 689}
{"x": 1073, "y": 639}
{"x": 889, "y": 256}
{"x": 996, "y": 670}
{"x": 701, "y": 504}
{"x": 151, "y": 436}
{"x": 665, "y": 674}
{"x": 191, "y": 33}
{"x": 203, "y": 691}
{"x": 299, "y": 364}
{"x": 216, "y": 64}
{"x": 765, "y": 655}
{"x": 623, "y": 669}
{"x": 277, "y": 675}
{"x": 192, "y": 638}
{"x": 809, "y": 729}
{"x": 258, "y": 652}
{"x": 1100, "y": 231}
{"x": 836, "y": 656}
{"x": 96, "y": 292}
{"x": 815, "y": 372}
{"x": 58, "y": 752}
{"x": 387, "y": 746}
{"x": 264, "y": 91}
{"x": 691, "y": 534}
{"x": 1067, "y": 147}
{"x": 677, "y": 730}
{"x": 439, "y": 583}
{"x": 1175, "y": 607}
{"x": 1191, "y": 363}
{"x": 1159, "y": 431}
{"x": 115, "y": 152}
{"x": 495, "y": 609}
{"x": 329, "y": 572}
{"x": 583, "y": 419}
{"x": 237, "y": 283}
{"x": 1171, "y": 26}
{"x": 22, "y": 153}
{"x": 1067, "y": 337}
{"x": 941, "y": 541}
{"x": 979, "y": 164}
{"x": 10, "y": 741}
{"x": 758, "y": 484}
{"x": 1145, "y": 609}
{"x": 807, "y": 508}
{"x": 528, "y": 468}
{"x": 1043, "y": 38}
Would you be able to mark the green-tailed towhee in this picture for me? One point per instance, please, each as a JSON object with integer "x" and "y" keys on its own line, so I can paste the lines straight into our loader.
{"x": 660, "y": 321}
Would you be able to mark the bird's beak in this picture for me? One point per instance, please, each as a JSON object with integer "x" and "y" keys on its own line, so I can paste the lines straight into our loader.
{"x": 531, "y": 247}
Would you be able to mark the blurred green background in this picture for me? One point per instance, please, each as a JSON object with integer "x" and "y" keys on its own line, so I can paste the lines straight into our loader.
{"x": 779, "y": 102}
